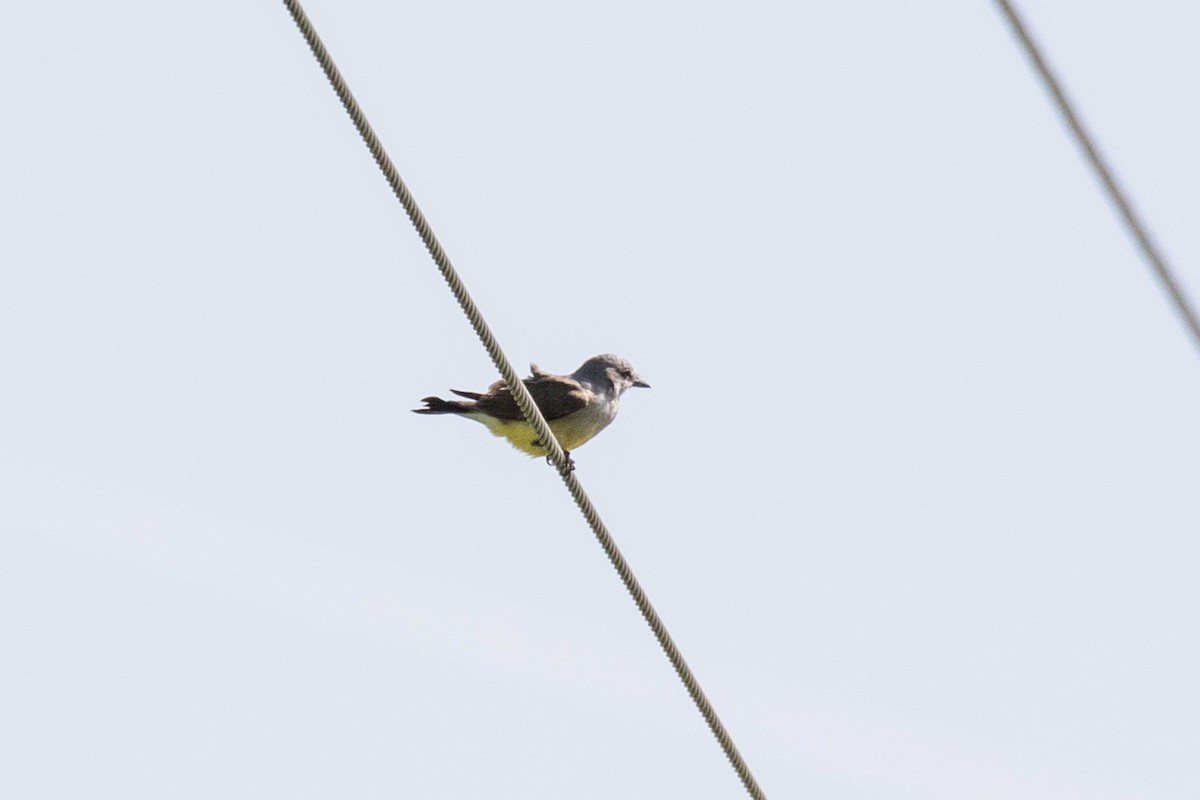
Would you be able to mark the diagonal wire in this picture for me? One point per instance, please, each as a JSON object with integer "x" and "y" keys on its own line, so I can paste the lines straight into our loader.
{"x": 521, "y": 395}
{"x": 1129, "y": 216}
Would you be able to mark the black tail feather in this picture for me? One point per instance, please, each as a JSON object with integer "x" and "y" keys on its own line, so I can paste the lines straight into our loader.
{"x": 468, "y": 395}
{"x": 436, "y": 405}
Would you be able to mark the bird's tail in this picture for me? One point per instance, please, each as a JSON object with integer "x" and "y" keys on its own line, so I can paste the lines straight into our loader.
{"x": 436, "y": 405}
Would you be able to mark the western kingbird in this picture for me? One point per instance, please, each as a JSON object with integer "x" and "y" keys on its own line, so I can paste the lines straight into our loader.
{"x": 576, "y": 406}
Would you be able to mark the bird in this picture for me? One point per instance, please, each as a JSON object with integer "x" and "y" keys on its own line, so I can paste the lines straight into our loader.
{"x": 576, "y": 406}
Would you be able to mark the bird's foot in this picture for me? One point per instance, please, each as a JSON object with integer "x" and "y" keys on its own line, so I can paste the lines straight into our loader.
{"x": 567, "y": 456}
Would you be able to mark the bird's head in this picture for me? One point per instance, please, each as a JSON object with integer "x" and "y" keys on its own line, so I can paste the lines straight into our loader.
{"x": 609, "y": 369}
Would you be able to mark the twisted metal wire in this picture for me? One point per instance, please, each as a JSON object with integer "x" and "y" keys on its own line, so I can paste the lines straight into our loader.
{"x": 532, "y": 414}
{"x": 1116, "y": 194}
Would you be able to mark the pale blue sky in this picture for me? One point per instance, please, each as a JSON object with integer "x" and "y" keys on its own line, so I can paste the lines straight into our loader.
{"x": 915, "y": 490}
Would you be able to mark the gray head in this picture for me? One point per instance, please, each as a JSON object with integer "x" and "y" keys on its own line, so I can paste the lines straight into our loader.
{"x": 607, "y": 369}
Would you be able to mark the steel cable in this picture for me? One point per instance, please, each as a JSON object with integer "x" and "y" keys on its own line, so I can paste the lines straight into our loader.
{"x": 521, "y": 395}
{"x": 1117, "y": 195}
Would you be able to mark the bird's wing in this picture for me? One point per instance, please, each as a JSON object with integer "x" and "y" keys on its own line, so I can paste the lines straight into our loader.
{"x": 556, "y": 396}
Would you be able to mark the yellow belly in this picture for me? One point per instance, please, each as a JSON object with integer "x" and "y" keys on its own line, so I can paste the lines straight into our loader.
{"x": 571, "y": 432}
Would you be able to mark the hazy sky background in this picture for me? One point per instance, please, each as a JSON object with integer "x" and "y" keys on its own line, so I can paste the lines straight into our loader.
{"x": 917, "y": 488}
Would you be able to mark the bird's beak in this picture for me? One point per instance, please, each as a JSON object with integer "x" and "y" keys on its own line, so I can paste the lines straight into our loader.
{"x": 639, "y": 382}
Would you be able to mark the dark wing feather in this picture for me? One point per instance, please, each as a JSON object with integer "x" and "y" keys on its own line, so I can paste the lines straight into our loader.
{"x": 555, "y": 395}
